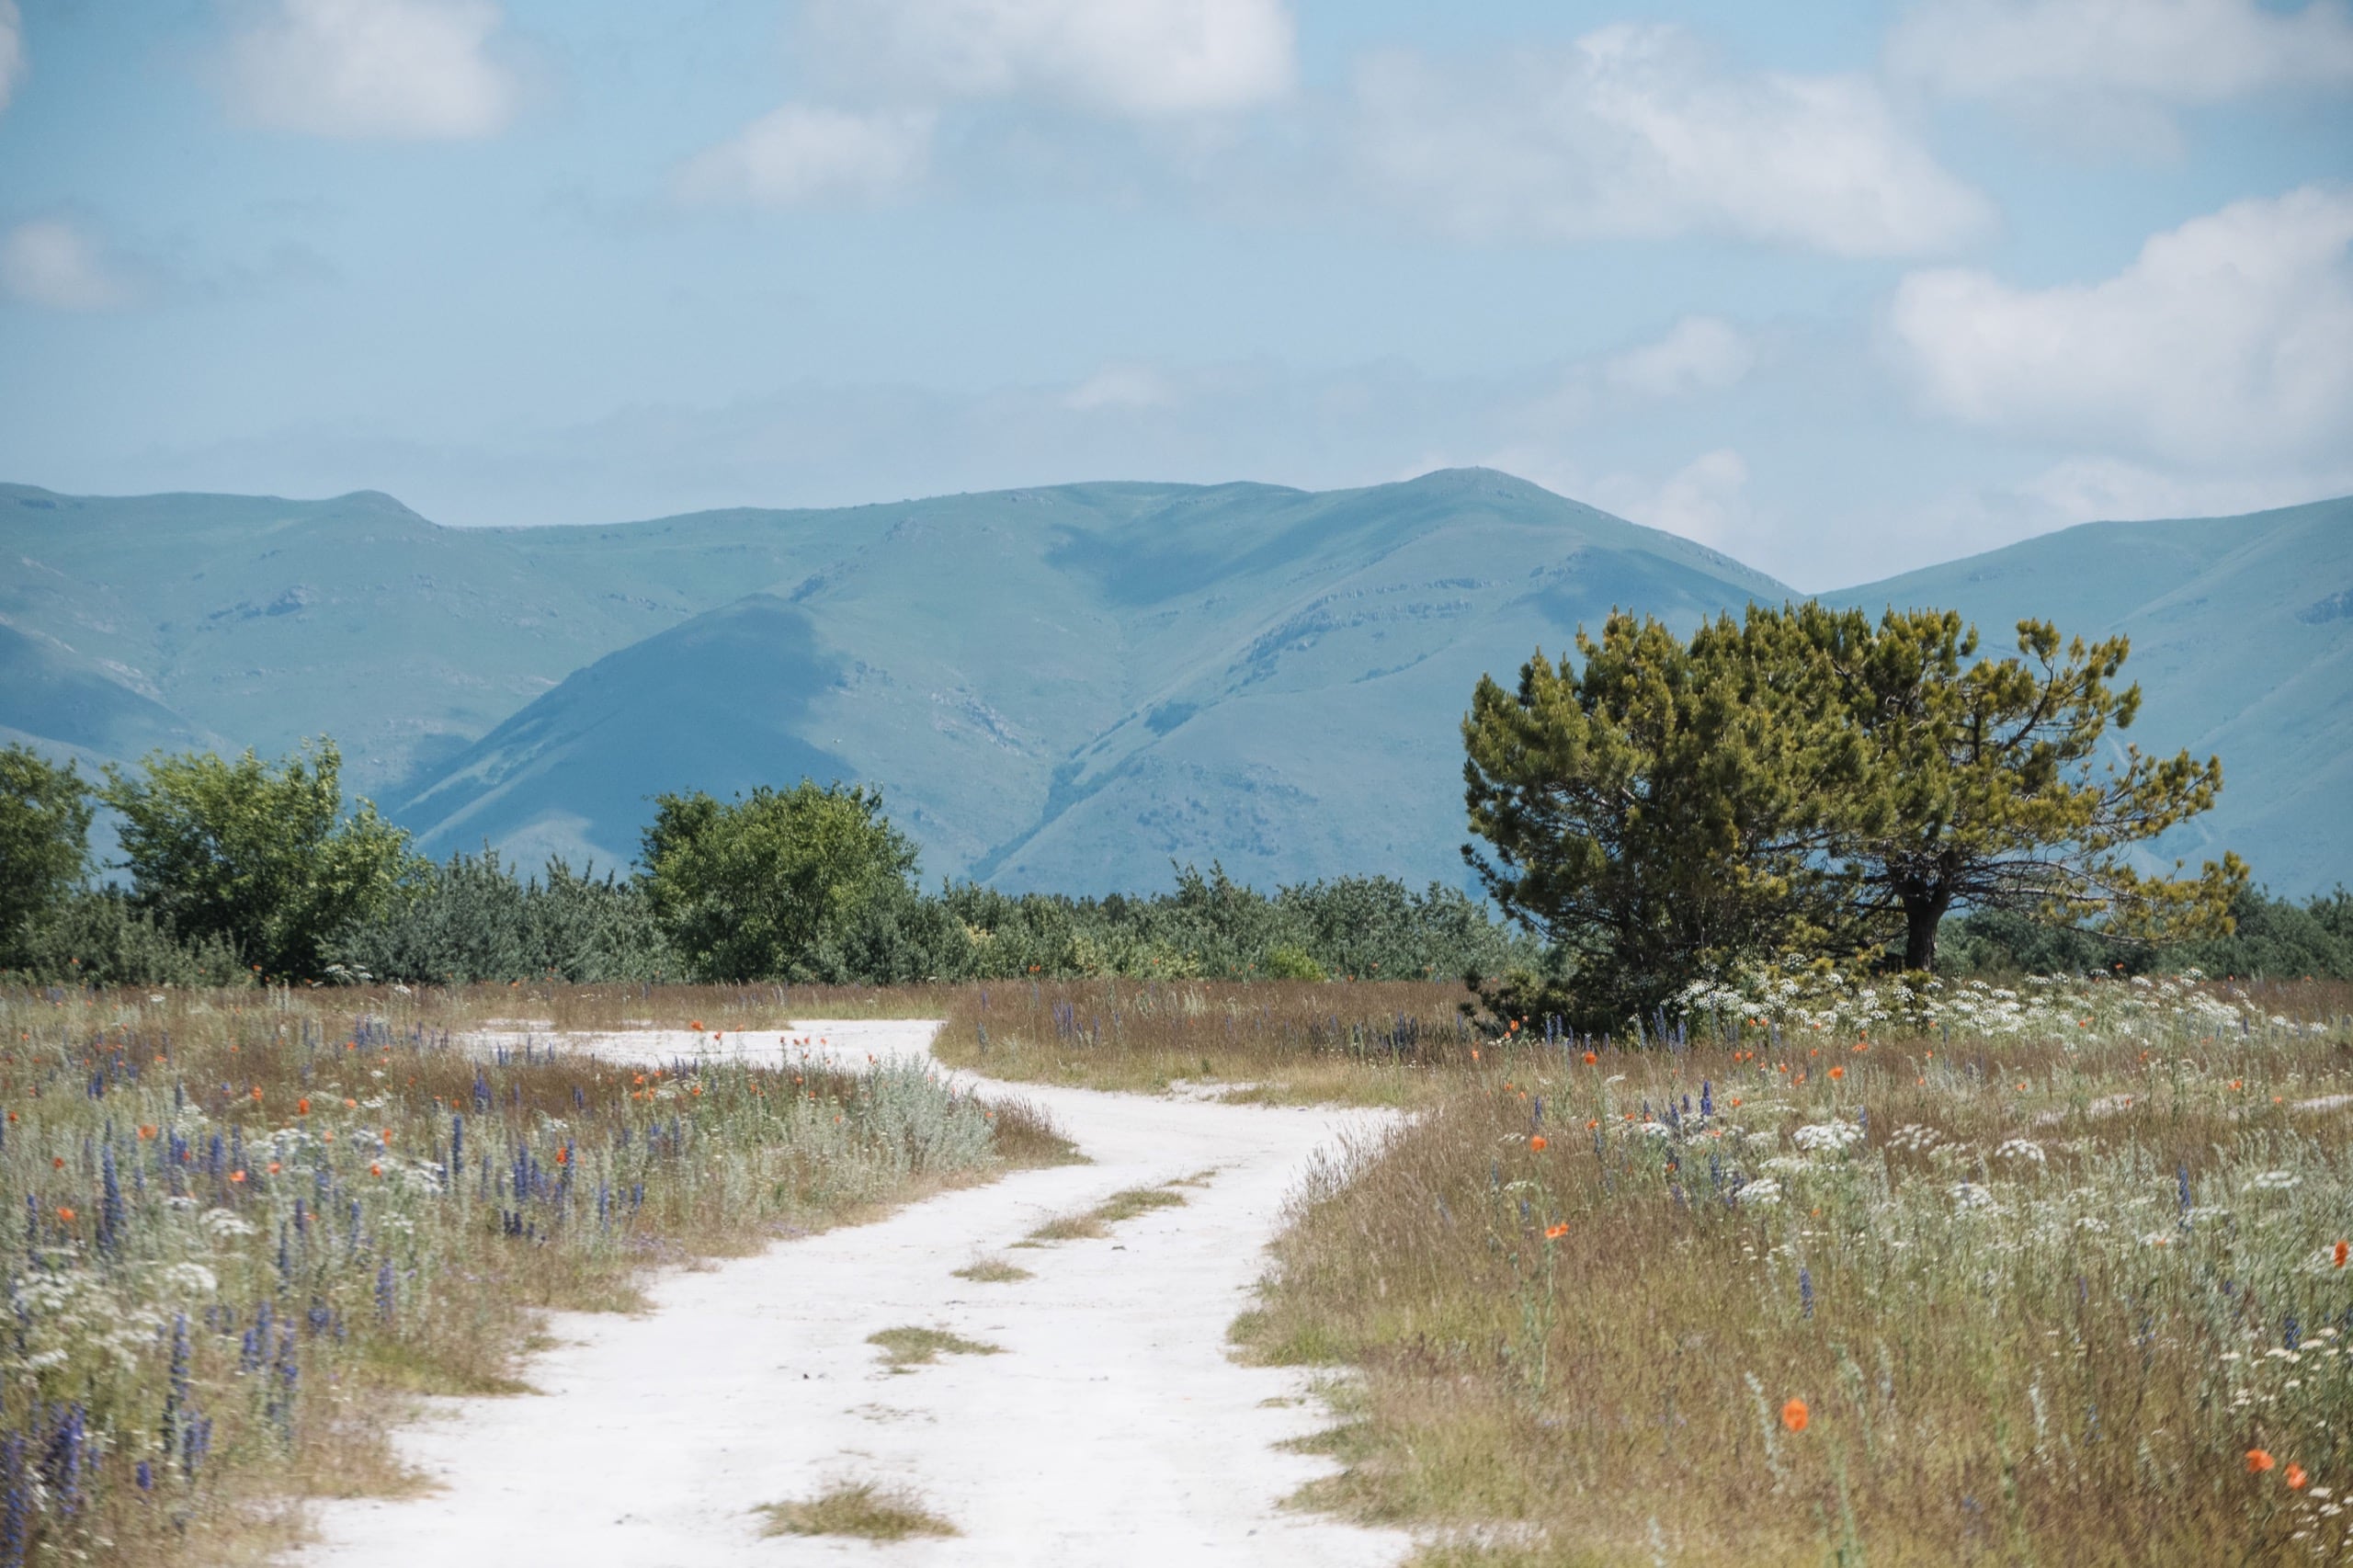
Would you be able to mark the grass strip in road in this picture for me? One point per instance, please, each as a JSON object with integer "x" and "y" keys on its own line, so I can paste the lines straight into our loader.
{"x": 863, "y": 1509}
{"x": 913, "y": 1347}
{"x": 1097, "y": 1222}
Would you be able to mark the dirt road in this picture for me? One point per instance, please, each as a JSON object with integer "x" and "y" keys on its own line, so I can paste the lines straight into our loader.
{"x": 1113, "y": 1430}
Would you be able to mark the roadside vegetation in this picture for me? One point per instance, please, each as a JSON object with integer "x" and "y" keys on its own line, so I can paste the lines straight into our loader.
{"x": 254, "y": 1223}
{"x": 1848, "y": 1271}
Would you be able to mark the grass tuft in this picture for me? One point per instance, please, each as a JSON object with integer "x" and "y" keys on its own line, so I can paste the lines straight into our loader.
{"x": 912, "y": 1347}
{"x": 863, "y": 1508}
{"x": 993, "y": 1271}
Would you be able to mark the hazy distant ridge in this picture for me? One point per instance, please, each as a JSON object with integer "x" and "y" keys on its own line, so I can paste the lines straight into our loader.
{"x": 1061, "y": 686}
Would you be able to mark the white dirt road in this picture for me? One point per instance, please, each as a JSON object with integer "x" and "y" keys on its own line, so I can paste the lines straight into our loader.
{"x": 1113, "y": 1430}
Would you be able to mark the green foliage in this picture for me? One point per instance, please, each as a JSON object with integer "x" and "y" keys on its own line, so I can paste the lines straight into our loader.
{"x": 44, "y": 841}
{"x": 472, "y": 919}
{"x": 1809, "y": 781}
{"x": 2270, "y": 940}
{"x": 758, "y": 888}
{"x": 97, "y": 937}
{"x": 1979, "y": 788}
{"x": 1652, "y": 812}
{"x": 1288, "y": 962}
{"x": 257, "y": 856}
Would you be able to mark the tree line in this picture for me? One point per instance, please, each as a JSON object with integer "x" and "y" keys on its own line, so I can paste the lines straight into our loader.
{"x": 242, "y": 869}
{"x": 1799, "y": 783}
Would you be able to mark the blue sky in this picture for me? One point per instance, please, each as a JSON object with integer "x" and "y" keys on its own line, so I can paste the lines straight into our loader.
{"x": 1840, "y": 289}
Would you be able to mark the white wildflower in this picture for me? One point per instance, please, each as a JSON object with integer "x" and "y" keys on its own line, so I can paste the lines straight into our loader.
{"x": 1762, "y": 1191}
{"x": 1971, "y": 1195}
{"x": 223, "y": 1223}
{"x": 189, "y": 1279}
{"x": 2275, "y": 1181}
{"x": 2019, "y": 1149}
{"x": 1827, "y": 1135}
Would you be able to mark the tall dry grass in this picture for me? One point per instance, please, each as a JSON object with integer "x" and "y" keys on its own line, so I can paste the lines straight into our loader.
{"x": 1386, "y": 1042}
{"x": 249, "y": 1224}
{"x": 2032, "y": 1288}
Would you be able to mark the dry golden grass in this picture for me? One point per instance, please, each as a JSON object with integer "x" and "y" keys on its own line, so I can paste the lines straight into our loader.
{"x": 1278, "y": 1042}
{"x": 2036, "y": 1302}
{"x": 993, "y": 1271}
{"x": 863, "y": 1509}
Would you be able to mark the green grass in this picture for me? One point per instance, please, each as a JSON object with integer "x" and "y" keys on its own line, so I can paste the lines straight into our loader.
{"x": 1097, "y": 1222}
{"x": 864, "y": 1509}
{"x": 912, "y": 1347}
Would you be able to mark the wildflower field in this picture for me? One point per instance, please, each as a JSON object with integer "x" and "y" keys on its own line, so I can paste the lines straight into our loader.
{"x": 251, "y": 1224}
{"x": 1834, "y": 1272}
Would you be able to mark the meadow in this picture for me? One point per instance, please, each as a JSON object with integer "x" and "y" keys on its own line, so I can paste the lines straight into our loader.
{"x": 257, "y": 1223}
{"x": 1842, "y": 1272}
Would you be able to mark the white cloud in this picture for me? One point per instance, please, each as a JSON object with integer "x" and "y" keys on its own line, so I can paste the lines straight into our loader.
{"x": 1124, "y": 386}
{"x": 2104, "y": 489}
{"x": 1706, "y": 500}
{"x": 803, "y": 154}
{"x": 1698, "y": 354}
{"x": 1141, "y": 58}
{"x": 400, "y": 69}
{"x": 2230, "y": 335}
{"x": 53, "y": 263}
{"x": 2171, "y": 52}
{"x": 12, "y": 50}
{"x": 1636, "y": 130}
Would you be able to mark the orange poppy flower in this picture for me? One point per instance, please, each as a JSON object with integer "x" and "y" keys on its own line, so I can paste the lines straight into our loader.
{"x": 2341, "y": 1250}
{"x": 1590, "y": 1058}
{"x": 303, "y": 1106}
{"x": 350, "y": 1104}
{"x": 375, "y": 1170}
{"x": 57, "y": 1162}
{"x": 1554, "y": 1232}
{"x": 2295, "y": 1478}
{"x": 236, "y": 1175}
{"x": 2258, "y": 1461}
{"x": 695, "y": 1024}
{"x": 65, "y": 1216}
{"x": 1537, "y": 1142}
{"x": 563, "y": 1155}
{"x": 257, "y": 1090}
{"x": 145, "y": 1132}
{"x": 1837, "y": 1072}
{"x": 273, "y": 1168}
{"x": 1794, "y": 1414}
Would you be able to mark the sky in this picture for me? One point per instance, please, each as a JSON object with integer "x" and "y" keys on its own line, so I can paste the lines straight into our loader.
{"x": 1839, "y": 289}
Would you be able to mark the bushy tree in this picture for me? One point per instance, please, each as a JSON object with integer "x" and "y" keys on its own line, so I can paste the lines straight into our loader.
{"x": 263, "y": 857}
{"x": 1981, "y": 785}
{"x": 756, "y": 888}
{"x": 1811, "y": 780}
{"x": 44, "y": 841}
{"x": 1653, "y": 808}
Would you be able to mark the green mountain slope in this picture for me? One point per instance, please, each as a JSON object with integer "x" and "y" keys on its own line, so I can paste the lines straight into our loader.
{"x": 1072, "y": 687}
{"x": 1065, "y": 687}
{"x": 2241, "y": 633}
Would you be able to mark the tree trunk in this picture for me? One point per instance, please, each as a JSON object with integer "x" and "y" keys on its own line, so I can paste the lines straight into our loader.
{"x": 1924, "y": 912}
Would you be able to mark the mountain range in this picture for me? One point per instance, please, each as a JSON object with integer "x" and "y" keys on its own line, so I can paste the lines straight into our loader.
{"x": 1067, "y": 686}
